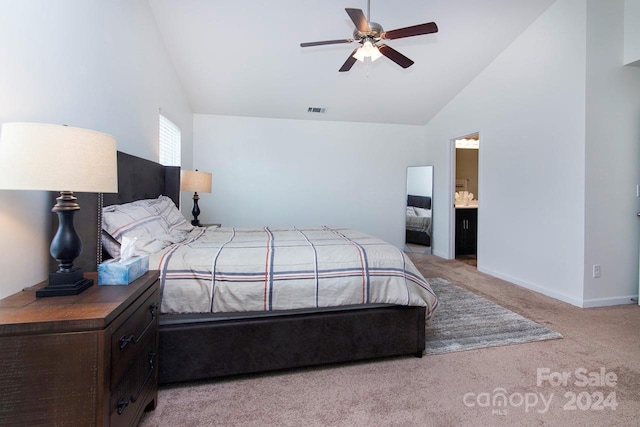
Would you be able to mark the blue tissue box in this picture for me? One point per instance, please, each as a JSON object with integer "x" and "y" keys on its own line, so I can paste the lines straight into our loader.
{"x": 114, "y": 272}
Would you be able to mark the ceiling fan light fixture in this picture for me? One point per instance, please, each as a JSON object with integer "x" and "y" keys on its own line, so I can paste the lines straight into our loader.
{"x": 359, "y": 55}
{"x": 368, "y": 50}
{"x": 375, "y": 53}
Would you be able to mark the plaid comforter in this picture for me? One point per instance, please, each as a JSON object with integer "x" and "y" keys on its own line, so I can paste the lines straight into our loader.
{"x": 419, "y": 223}
{"x": 263, "y": 269}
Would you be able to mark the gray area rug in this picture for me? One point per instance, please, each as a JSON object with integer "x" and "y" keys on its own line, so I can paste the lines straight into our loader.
{"x": 466, "y": 321}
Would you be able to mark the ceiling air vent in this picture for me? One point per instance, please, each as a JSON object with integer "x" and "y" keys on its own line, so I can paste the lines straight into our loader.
{"x": 316, "y": 110}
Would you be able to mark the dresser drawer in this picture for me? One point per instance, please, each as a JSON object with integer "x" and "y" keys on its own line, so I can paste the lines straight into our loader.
{"x": 136, "y": 335}
{"x": 129, "y": 397}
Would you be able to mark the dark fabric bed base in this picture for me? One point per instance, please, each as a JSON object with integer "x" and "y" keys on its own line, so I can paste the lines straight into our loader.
{"x": 200, "y": 349}
{"x": 418, "y": 237}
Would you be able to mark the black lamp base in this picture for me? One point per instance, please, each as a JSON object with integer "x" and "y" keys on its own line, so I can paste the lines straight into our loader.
{"x": 65, "y": 247}
{"x": 65, "y": 283}
{"x": 196, "y": 210}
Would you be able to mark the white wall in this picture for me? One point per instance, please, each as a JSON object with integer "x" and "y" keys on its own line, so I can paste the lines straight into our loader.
{"x": 87, "y": 63}
{"x": 612, "y": 159}
{"x": 297, "y": 172}
{"x": 632, "y": 32}
{"x": 529, "y": 106}
{"x": 420, "y": 180}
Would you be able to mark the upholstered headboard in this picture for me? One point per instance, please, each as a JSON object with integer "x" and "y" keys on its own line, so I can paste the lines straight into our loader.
{"x": 138, "y": 179}
{"x": 419, "y": 201}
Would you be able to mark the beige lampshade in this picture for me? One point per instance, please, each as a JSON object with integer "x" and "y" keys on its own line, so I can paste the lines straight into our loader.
{"x": 195, "y": 181}
{"x": 40, "y": 156}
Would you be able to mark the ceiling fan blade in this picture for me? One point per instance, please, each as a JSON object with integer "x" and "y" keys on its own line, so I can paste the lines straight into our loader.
{"x": 349, "y": 62}
{"x": 326, "y": 42}
{"x": 395, "y": 56}
{"x": 415, "y": 30}
{"x": 358, "y": 18}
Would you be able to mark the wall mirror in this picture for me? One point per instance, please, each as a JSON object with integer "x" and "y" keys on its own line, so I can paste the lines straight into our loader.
{"x": 419, "y": 218}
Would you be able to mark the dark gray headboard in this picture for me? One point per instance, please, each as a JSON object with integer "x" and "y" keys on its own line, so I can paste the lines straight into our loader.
{"x": 419, "y": 201}
{"x": 138, "y": 179}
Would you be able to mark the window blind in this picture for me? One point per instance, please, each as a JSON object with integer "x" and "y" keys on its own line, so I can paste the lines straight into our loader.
{"x": 170, "y": 141}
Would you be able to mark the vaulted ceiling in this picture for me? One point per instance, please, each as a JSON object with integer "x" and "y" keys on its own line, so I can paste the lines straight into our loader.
{"x": 244, "y": 57}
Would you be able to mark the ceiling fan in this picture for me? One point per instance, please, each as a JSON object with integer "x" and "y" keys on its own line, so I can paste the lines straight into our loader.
{"x": 368, "y": 34}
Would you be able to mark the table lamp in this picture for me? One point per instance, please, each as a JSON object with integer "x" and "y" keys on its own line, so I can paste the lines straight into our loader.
{"x": 195, "y": 181}
{"x": 40, "y": 156}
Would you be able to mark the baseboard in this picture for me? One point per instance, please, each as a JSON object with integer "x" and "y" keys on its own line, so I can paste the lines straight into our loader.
{"x": 606, "y": 302}
{"x": 532, "y": 287}
{"x": 440, "y": 254}
{"x": 587, "y": 303}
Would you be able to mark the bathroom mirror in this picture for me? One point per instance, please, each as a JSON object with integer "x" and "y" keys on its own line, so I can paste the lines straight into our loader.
{"x": 419, "y": 207}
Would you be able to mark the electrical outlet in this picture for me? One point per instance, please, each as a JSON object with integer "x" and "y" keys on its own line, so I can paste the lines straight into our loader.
{"x": 596, "y": 270}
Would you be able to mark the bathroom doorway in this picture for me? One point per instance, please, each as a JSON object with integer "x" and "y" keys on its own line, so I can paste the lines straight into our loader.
{"x": 465, "y": 189}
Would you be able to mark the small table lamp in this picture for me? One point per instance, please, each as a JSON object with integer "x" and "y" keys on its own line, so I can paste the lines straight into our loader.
{"x": 195, "y": 181}
{"x": 39, "y": 156}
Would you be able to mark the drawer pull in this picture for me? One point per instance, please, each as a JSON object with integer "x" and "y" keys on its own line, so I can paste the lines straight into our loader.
{"x": 124, "y": 402}
{"x": 132, "y": 338}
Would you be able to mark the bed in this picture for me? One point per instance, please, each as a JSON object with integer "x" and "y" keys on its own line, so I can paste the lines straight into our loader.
{"x": 206, "y": 344}
{"x": 418, "y": 228}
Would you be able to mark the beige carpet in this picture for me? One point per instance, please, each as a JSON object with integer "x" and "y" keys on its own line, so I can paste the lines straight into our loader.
{"x": 453, "y": 389}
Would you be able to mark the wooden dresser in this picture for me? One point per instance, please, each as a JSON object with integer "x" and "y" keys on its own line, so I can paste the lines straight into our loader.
{"x": 82, "y": 360}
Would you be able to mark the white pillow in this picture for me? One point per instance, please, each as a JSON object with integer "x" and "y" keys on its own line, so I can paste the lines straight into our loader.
{"x": 422, "y": 212}
{"x": 411, "y": 211}
{"x": 155, "y": 223}
{"x": 111, "y": 245}
{"x": 178, "y": 225}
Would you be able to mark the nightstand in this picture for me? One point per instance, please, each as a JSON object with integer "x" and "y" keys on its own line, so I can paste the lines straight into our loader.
{"x": 87, "y": 359}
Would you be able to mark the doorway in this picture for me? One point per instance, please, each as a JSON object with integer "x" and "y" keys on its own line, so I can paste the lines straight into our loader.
{"x": 465, "y": 189}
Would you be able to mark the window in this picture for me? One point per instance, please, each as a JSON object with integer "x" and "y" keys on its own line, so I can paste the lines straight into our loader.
{"x": 170, "y": 141}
